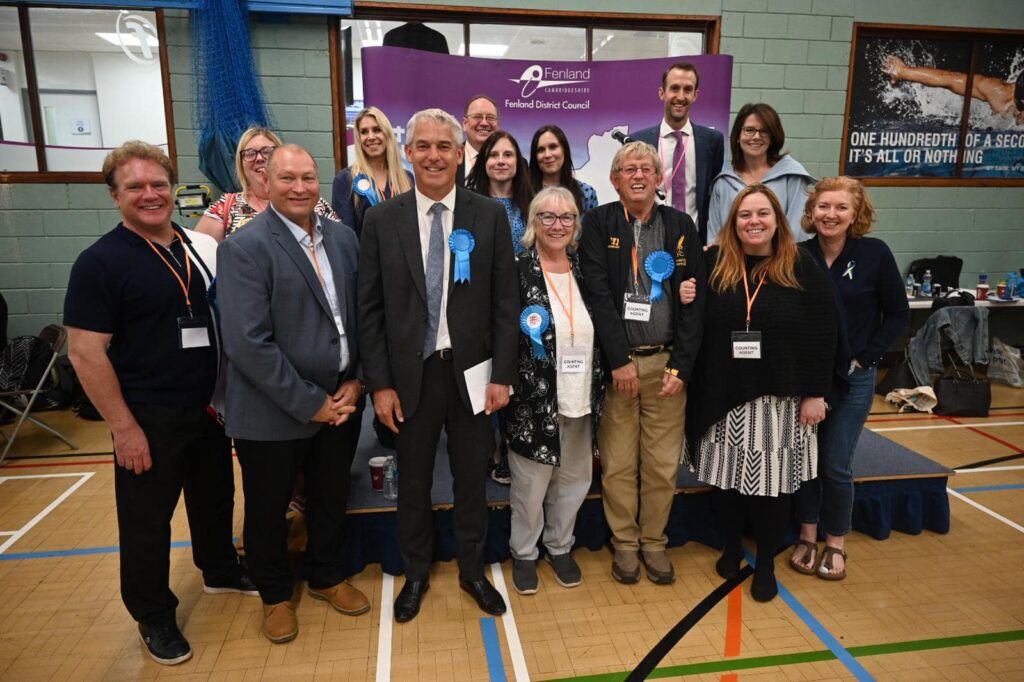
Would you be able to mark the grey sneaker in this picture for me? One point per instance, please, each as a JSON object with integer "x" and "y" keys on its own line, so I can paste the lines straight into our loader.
{"x": 524, "y": 575}
{"x": 567, "y": 571}
{"x": 626, "y": 566}
{"x": 659, "y": 568}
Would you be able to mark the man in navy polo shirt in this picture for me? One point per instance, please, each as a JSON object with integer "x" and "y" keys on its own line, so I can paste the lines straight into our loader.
{"x": 143, "y": 343}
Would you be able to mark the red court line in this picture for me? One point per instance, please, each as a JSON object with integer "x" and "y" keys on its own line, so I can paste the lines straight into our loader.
{"x": 987, "y": 435}
{"x": 936, "y": 417}
{"x": 57, "y": 464}
{"x": 733, "y": 626}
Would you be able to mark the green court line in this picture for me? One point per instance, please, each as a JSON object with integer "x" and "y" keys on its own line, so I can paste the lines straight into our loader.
{"x": 735, "y": 664}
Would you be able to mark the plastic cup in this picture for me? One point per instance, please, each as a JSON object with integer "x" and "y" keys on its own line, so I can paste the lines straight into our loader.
{"x": 377, "y": 472}
{"x": 1001, "y": 290}
{"x": 982, "y": 292}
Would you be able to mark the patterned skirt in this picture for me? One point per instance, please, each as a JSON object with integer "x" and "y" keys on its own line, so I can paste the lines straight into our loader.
{"x": 759, "y": 448}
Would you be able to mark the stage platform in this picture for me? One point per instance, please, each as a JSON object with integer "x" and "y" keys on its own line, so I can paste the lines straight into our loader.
{"x": 896, "y": 489}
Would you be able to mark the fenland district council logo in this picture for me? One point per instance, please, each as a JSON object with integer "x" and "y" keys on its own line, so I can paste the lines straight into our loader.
{"x": 536, "y": 77}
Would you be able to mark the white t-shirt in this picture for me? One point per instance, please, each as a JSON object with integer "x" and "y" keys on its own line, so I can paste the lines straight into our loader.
{"x": 573, "y": 388}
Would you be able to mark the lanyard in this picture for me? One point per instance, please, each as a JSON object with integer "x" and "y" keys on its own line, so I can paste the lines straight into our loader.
{"x": 636, "y": 241}
{"x": 751, "y": 299}
{"x": 568, "y": 311}
{"x": 316, "y": 262}
{"x": 185, "y": 284}
{"x": 666, "y": 182}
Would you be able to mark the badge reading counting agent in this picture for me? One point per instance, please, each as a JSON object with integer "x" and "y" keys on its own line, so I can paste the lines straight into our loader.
{"x": 363, "y": 186}
{"x": 659, "y": 266}
{"x": 534, "y": 321}
{"x": 462, "y": 244}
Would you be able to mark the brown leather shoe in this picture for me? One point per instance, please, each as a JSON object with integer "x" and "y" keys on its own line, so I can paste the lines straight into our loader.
{"x": 279, "y": 623}
{"x": 343, "y": 597}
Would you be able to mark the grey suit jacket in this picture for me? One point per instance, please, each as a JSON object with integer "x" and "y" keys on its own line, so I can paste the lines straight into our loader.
{"x": 483, "y": 314}
{"x": 710, "y": 146}
{"x": 279, "y": 335}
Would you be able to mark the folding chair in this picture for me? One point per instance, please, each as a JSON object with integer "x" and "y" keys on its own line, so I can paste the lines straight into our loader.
{"x": 56, "y": 336}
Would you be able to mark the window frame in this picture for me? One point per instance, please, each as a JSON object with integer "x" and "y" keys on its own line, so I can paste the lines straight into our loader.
{"x": 710, "y": 26}
{"x": 31, "y": 81}
{"x": 973, "y": 36}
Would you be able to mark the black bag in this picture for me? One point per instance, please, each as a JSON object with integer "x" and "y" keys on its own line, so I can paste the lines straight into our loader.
{"x": 23, "y": 362}
{"x": 899, "y": 376}
{"x": 945, "y": 270}
{"x": 961, "y": 394}
{"x": 961, "y": 298}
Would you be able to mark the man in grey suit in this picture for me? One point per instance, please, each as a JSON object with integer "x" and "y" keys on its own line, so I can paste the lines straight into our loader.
{"x": 438, "y": 295}
{"x": 692, "y": 155}
{"x": 287, "y": 287}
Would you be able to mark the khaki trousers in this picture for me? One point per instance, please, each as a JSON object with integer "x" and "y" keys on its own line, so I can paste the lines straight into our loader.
{"x": 641, "y": 440}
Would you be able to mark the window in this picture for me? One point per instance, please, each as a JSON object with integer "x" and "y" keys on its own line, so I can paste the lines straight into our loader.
{"x": 909, "y": 119}
{"x": 75, "y": 83}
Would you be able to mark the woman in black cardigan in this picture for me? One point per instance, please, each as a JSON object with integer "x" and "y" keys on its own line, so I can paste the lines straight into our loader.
{"x": 552, "y": 415}
{"x": 765, "y": 365}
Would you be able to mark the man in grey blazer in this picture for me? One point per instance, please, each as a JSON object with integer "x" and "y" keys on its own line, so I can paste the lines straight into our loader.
{"x": 422, "y": 325}
{"x": 690, "y": 170}
{"x": 287, "y": 293}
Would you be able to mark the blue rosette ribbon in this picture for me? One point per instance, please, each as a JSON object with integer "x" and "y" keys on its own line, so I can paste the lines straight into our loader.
{"x": 462, "y": 244}
{"x": 364, "y": 187}
{"x": 659, "y": 266}
{"x": 534, "y": 321}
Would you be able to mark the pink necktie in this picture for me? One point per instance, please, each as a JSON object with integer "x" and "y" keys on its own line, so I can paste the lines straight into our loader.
{"x": 679, "y": 173}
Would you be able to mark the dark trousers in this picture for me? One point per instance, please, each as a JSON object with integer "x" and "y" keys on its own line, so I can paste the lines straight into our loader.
{"x": 470, "y": 444}
{"x": 769, "y": 518}
{"x": 190, "y": 452}
{"x": 269, "y": 469}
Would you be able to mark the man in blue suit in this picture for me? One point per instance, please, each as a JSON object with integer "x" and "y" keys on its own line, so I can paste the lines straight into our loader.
{"x": 287, "y": 289}
{"x": 692, "y": 155}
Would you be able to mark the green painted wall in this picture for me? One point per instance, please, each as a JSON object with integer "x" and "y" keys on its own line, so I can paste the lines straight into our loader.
{"x": 790, "y": 53}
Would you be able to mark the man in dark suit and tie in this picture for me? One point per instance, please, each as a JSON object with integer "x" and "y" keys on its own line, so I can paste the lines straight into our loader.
{"x": 692, "y": 155}
{"x": 480, "y": 120}
{"x": 287, "y": 293}
{"x": 437, "y": 296}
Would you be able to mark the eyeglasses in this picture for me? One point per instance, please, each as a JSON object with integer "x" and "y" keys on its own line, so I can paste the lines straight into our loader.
{"x": 633, "y": 170}
{"x": 250, "y": 154}
{"x": 749, "y": 131}
{"x": 478, "y": 118}
{"x": 547, "y": 219}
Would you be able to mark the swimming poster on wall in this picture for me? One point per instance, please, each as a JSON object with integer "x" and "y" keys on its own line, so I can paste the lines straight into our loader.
{"x": 588, "y": 100}
{"x": 907, "y": 106}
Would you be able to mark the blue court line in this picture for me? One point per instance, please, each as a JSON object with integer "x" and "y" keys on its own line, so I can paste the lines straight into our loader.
{"x": 493, "y": 650}
{"x": 988, "y": 488}
{"x": 14, "y": 556}
{"x": 819, "y": 630}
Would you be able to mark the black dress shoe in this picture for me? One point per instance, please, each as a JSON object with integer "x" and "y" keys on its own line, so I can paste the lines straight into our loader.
{"x": 487, "y": 598}
{"x": 407, "y": 605}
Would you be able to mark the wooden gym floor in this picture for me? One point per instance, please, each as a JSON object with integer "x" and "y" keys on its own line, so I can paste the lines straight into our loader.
{"x": 926, "y": 607}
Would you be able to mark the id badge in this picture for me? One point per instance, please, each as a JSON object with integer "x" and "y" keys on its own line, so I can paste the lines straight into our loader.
{"x": 573, "y": 362}
{"x": 636, "y": 307}
{"x": 746, "y": 345}
{"x": 192, "y": 333}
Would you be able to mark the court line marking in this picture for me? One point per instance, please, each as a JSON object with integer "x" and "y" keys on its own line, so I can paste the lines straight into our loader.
{"x": 18, "y": 534}
{"x": 508, "y": 621}
{"x": 492, "y": 650}
{"x": 947, "y": 426}
{"x": 385, "y": 631}
{"x": 734, "y": 622}
{"x": 990, "y": 488}
{"x": 46, "y": 554}
{"x": 985, "y": 470}
{"x": 981, "y": 507}
{"x": 56, "y": 464}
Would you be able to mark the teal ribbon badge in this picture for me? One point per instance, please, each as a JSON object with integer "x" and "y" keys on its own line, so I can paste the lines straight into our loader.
{"x": 659, "y": 265}
{"x": 462, "y": 244}
{"x": 534, "y": 321}
{"x": 364, "y": 187}
{"x": 848, "y": 274}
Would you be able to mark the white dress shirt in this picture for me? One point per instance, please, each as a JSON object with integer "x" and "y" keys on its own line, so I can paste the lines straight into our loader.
{"x": 469, "y": 156}
{"x": 667, "y": 151}
{"x": 426, "y": 219}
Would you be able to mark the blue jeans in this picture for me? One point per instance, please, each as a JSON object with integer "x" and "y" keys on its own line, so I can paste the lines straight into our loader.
{"x": 831, "y": 493}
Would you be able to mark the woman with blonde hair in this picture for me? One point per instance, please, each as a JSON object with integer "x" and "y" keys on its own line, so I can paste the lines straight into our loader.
{"x": 234, "y": 209}
{"x": 377, "y": 173}
{"x": 760, "y": 380}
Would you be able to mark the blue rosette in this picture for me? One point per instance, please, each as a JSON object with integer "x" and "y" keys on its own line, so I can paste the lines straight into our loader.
{"x": 462, "y": 244}
{"x": 534, "y": 321}
{"x": 364, "y": 187}
{"x": 659, "y": 266}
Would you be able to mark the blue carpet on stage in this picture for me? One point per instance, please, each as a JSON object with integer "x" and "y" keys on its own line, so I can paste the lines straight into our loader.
{"x": 896, "y": 489}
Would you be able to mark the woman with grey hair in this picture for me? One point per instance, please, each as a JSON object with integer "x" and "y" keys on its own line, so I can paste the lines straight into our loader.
{"x": 553, "y": 413}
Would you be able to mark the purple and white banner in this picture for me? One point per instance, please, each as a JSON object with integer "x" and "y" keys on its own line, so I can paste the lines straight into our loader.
{"x": 588, "y": 100}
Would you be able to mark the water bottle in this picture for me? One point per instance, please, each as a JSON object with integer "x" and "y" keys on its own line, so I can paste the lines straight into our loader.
{"x": 911, "y": 286}
{"x": 926, "y": 283}
{"x": 1011, "y": 285}
{"x": 390, "y": 479}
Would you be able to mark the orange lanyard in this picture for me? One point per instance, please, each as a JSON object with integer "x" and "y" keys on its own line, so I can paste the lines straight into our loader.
{"x": 316, "y": 261}
{"x": 568, "y": 311}
{"x": 666, "y": 182}
{"x": 751, "y": 299}
{"x": 185, "y": 284}
{"x": 636, "y": 238}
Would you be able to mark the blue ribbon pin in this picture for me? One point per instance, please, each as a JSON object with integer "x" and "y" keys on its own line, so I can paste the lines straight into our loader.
{"x": 365, "y": 187}
{"x": 534, "y": 321}
{"x": 848, "y": 273}
{"x": 659, "y": 265}
{"x": 461, "y": 243}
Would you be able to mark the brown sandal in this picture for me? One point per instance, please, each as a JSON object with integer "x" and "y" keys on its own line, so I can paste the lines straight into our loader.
{"x": 811, "y": 549}
{"x": 825, "y": 567}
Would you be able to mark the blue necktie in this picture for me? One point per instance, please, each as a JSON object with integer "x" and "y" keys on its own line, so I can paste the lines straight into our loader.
{"x": 434, "y": 278}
